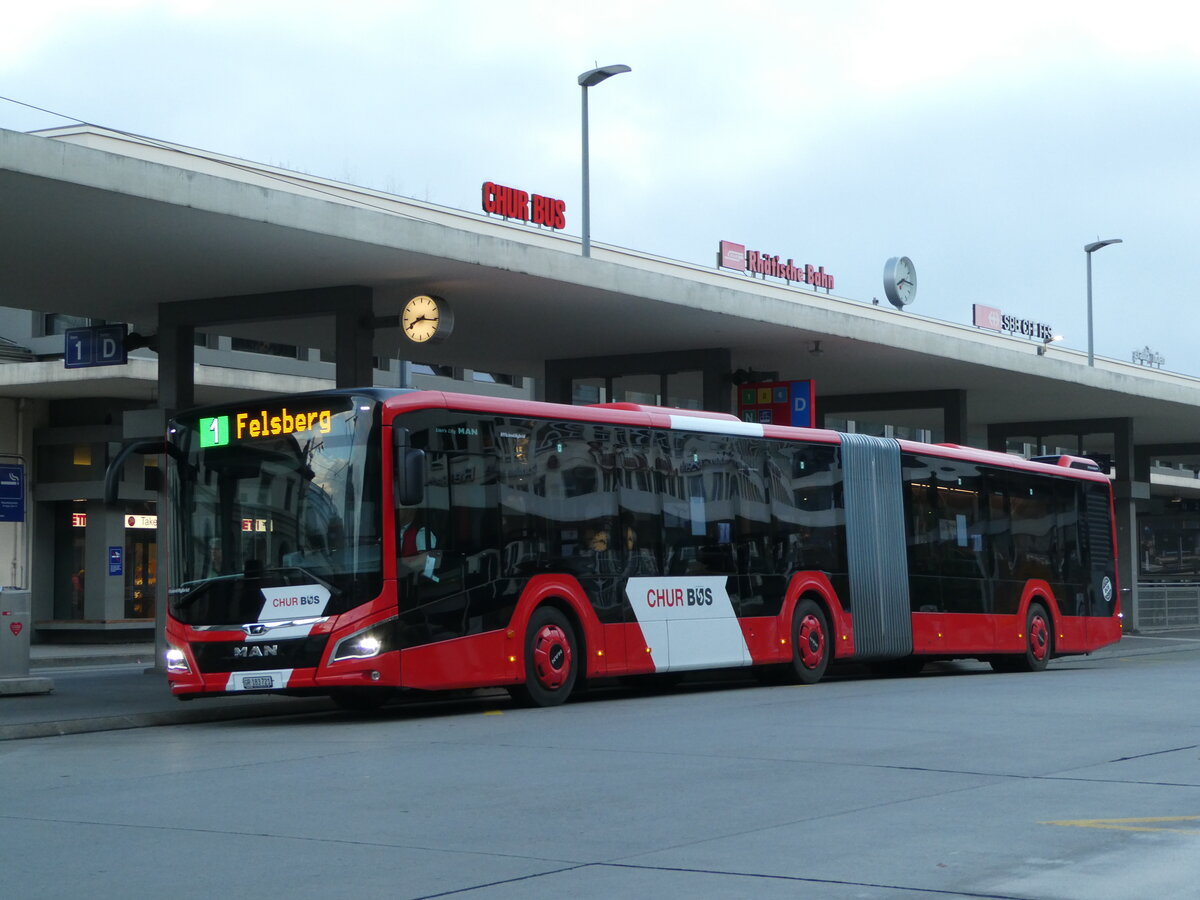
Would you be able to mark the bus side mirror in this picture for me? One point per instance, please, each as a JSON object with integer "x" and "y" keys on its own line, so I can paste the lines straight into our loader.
{"x": 408, "y": 470}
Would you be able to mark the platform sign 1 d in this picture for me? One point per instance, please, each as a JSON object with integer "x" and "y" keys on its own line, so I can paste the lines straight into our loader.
{"x": 95, "y": 345}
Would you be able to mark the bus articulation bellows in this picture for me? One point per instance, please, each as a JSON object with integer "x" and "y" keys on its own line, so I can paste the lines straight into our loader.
{"x": 356, "y": 543}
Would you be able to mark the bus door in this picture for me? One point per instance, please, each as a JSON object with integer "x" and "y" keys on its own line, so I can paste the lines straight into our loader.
{"x": 693, "y": 608}
{"x": 446, "y": 547}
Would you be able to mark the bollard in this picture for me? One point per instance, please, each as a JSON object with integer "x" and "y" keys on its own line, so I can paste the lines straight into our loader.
{"x": 15, "y": 631}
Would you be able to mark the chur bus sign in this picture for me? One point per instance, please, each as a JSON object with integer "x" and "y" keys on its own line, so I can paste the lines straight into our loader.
{"x": 516, "y": 204}
{"x": 735, "y": 256}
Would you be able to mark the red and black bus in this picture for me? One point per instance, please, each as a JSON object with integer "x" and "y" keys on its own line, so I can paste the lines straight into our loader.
{"x": 360, "y": 542}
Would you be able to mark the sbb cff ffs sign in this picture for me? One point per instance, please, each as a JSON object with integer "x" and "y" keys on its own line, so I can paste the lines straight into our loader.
{"x": 516, "y": 204}
{"x": 992, "y": 318}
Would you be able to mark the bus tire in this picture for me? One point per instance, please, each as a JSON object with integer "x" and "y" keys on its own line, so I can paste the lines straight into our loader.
{"x": 1039, "y": 639}
{"x": 1039, "y": 644}
{"x": 551, "y": 660}
{"x": 812, "y": 644}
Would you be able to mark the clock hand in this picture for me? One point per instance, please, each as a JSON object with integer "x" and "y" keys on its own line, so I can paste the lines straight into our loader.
{"x": 419, "y": 319}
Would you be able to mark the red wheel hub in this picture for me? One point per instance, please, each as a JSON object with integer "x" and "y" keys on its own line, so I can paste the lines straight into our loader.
{"x": 1039, "y": 638}
{"x": 551, "y": 657}
{"x": 811, "y": 641}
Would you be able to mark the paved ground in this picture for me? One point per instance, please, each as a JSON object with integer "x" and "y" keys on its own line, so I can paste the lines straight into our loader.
{"x": 110, "y": 687}
{"x": 113, "y": 686}
{"x": 1080, "y": 782}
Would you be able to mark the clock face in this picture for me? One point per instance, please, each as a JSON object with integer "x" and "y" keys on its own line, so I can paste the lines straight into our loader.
{"x": 425, "y": 318}
{"x": 900, "y": 281}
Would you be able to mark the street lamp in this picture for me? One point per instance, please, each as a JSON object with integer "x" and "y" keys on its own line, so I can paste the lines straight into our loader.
{"x": 586, "y": 80}
{"x": 1089, "y": 249}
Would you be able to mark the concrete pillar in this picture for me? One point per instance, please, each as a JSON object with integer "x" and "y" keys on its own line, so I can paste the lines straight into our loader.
{"x": 176, "y": 361}
{"x": 1132, "y": 484}
{"x": 103, "y": 594}
{"x": 355, "y": 339}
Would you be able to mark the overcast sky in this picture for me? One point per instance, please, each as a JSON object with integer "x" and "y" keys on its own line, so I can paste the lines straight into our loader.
{"x": 987, "y": 142}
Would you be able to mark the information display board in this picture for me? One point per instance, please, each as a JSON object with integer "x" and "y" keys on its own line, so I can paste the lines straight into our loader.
{"x": 777, "y": 403}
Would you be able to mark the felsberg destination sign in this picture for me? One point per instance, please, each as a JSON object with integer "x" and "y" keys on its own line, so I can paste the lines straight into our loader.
{"x": 215, "y": 431}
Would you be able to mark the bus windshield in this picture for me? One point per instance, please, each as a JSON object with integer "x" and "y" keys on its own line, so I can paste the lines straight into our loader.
{"x": 275, "y": 510}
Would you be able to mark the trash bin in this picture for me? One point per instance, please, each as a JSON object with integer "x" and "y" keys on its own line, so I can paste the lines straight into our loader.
{"x": 15, "y": 629}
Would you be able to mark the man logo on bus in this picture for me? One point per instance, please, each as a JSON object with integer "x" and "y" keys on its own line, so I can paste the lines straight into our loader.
{"x": 1106, "y": 589}
{"x": 254, "y": 651}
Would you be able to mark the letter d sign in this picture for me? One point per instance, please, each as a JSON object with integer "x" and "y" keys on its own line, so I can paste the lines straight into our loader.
{"x": 110, "y": 345}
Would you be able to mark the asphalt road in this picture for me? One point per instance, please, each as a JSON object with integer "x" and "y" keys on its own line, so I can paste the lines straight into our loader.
{"x": 1080, "y": 782}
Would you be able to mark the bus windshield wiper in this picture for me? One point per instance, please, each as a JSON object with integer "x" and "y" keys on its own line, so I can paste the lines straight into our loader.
{"x": 312, "y": 577}
{"x": 195, "y": 588}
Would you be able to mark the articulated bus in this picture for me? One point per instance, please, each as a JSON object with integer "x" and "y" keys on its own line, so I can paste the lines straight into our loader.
{"x": 358, "y": 543}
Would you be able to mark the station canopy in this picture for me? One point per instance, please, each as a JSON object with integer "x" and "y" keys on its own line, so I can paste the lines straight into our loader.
{"x": 99, "y": 224}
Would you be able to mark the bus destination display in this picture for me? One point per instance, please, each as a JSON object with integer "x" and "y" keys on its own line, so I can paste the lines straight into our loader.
{"x": 215, "y": 430}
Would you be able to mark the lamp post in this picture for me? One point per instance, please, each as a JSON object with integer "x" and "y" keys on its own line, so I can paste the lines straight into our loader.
{"x": 1089, "y": 249}
{"x": 586, "y": 80}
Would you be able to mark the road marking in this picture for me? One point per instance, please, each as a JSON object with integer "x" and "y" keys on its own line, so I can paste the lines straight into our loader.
{"x": 1155, "y": 637}
{"x": 1149, "y": 824}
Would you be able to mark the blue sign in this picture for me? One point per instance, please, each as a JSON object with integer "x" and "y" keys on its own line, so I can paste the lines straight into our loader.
{"x": 12, "y": 493}
{"x": 96, "y": 345}
{"x": 802, "y": 404}
{"x": 116, "y": 560}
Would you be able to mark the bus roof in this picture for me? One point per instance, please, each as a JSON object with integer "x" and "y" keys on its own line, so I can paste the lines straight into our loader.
{"x": 640, "y": 415}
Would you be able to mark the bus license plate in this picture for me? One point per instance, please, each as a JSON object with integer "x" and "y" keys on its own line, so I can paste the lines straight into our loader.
{"x": 259, "y": 682}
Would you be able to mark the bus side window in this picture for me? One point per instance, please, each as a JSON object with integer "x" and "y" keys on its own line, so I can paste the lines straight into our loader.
{"x": 805, "y": 489}
{"x": 1000, "y": 537}
{"x": 639, "y": 502}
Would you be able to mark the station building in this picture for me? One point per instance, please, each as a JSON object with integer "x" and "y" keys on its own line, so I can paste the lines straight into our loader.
{"x": 227, "y": 279}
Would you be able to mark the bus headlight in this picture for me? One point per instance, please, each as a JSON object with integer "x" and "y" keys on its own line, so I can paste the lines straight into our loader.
{"x": 365, "y": 644}
{"x": 177, "y": 661}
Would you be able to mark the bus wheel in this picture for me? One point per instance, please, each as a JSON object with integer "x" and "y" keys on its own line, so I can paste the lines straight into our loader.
{"x": 811, "y": 644}
{"x": 551, "y": 660}
{"x": 1039, "y": 639}
{"x": 1039, "y": 645}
